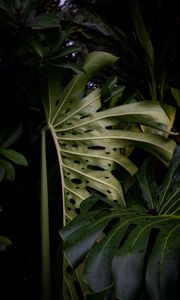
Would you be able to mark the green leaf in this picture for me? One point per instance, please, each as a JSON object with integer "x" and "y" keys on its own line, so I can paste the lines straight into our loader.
{"x": 14, "y": 156}
{"x": 141, "y": 31}
{"x": 148, "y": 184}
{"x": 88, "y": 141}
{"x": 176, "y": 94}
{"x": 45, "y": 21}
{"x": 162, "y": 272}
{"x": 169, "y": 190}
{"x": 99, "y": 260}
{"x": 131, "y": 252}
{"x": 7, "y": 169}
{"x": 79, "y": 242}
{"x": 45, "y": 236}
{"x": 76, "y": 68}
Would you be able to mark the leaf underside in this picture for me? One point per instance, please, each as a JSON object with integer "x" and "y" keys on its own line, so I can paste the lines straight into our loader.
{"x": 90, "y": 141}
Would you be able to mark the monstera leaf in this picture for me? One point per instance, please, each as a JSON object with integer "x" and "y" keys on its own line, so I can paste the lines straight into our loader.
{"x": 134, "y": 249}
{"x": 89, "y": 140}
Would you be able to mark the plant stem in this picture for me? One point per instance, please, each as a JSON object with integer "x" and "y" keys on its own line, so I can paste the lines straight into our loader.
{"x": 45, "y": 245}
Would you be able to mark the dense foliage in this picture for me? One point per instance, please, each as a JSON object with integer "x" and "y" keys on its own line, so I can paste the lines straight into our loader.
{"x": 89, "y": 96}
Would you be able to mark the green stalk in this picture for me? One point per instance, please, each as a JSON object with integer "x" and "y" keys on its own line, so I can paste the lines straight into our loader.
{"x": 45, "y": 245}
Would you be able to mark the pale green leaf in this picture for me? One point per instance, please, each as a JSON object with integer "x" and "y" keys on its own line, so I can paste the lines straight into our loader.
{"x": 88, "y": 139}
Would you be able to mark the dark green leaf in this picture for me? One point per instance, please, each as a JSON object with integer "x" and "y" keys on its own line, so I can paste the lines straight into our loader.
{"x": 162, "y": 268}
{"x": 44, "y": 21}
{"x": 8, "y": 171}
{"x": 14, "y": 156}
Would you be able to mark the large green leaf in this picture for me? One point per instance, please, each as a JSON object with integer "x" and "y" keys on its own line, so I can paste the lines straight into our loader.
{"x": 85, "y": 139}
{"x": 88, "y": 140}
{"x": 135, "y": 250}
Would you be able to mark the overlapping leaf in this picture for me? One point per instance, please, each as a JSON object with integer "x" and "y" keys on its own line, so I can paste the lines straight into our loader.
{"x": 88, "y": 140}
{"x": 130, "y": 248}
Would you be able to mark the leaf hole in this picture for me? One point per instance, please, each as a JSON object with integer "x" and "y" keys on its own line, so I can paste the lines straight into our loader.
{"x": 67, "y": 110}
{"x": 96, "y": 147}
{"x": 76, "y": 180}
{"x": 107, "y": 177}
{"x": 69, "y": 123}
{"x": 95, "y": 168}
{"x": 64, "y": 144}
{"x": 68, "y": 208}
{"x": 78, "y": 290}
{"x": 108, "y": 191}
{"x": 85, "y": 116}
{"x": 69, "y": 270}
{"x": 57, "y": 102}
{"x": 107, "y": 152}
{"x": 109, "y": 127}
{"x": 74, "y": 145}
{"x": 92, "y": 190}
{"x": 89, "y": 130}
{"x": 77, "y": 210}
{"x": 77, "y": 161}
{"x": 72, "y": 201}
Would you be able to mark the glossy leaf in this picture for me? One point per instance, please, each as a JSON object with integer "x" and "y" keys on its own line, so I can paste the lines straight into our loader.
{"x": 137, "y": 249}
{"x": 133, "y": 246}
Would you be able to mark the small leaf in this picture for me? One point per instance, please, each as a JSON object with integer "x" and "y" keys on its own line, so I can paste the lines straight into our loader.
{"x": 9, "y": 171}
{"x": 14, "y": 156}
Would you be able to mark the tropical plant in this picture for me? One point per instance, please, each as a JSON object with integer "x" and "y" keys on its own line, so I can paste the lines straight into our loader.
{"x": 130, "y": 252}
{"x": 93, "y": 144}
{"x": 90, "y": 141}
